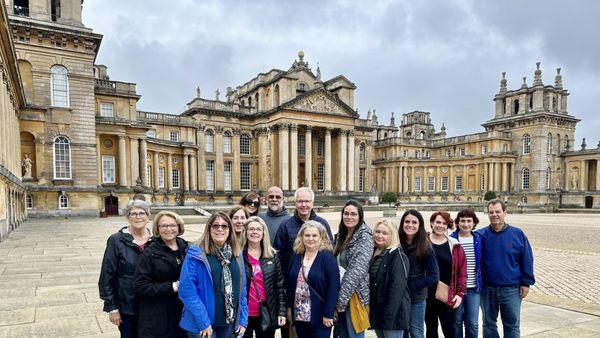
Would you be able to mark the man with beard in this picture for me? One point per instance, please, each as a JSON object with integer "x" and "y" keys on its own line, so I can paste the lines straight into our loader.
{"x": 276, "y": 213}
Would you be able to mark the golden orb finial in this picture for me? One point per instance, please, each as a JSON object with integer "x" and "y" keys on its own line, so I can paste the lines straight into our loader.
{"x": 301, "y": 55}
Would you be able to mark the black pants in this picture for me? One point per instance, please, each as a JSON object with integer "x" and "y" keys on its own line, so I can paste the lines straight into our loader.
{"x": 447, "y": 316}
{"x": 285, "y": 330}
{"x": 254, "y": 327}
{"x": 303, "y": 330}
{"x": 129, "y": 326}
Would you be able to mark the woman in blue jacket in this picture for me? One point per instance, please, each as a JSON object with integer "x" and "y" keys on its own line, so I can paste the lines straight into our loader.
{"x": 313, "y": 282}
{"x": 468, "y": 312}
{"x": 212, "y": 286}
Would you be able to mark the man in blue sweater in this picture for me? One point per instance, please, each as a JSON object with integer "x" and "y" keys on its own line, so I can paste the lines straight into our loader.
{"x": 507, "y": 268}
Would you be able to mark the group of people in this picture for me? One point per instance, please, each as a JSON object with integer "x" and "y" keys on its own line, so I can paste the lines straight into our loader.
{"x": 253, "y": 273}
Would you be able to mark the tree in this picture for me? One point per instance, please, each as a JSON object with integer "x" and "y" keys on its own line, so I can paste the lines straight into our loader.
{"x": 490, "y": 195}
{"x": 389, "y": 197}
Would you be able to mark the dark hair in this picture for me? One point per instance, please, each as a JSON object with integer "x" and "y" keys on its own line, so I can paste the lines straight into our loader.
{"x": 445, "y": 215}
{"x": 250, "y": 196}
{"x": 496, "y": 201}
{"x": 421, "y": 240}
{"x": 341, "y": 240}
{"x": 467, "y": 213}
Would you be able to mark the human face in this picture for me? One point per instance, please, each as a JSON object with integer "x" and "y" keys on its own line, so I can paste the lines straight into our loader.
{"x": 238, "y": 220}
{"x": 137, "y": 218}
{"x": 219, "y": 231}
{"x": 254, "y": 232}
{"x": 275, "y": 199}
{"x": 350, "y": 217}
{"x": 410, "y": 226}
{"x": 465, "y": 224}
{"x": 311, "y": 238}
{"x": 168, "y": 229}
{"x": 304, "y": 204}
{"x": 252, "y": 205}
{"x": 381, "y": 237}
{"x": 496, "y": 216}
{"x": 439, "y": 226}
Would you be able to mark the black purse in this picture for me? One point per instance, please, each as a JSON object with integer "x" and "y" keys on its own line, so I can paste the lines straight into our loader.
{"x": 265, "y": 317}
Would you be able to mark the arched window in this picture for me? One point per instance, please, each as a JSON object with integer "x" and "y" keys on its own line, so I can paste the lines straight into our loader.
{"x": 530, "y": 102}
{"x": 63, "y": 201}
{"x": 59, "y": 84}
{"x": 302, "y": 87}
{"x": 525, "y": 179}
{"x": 526, "y": 144}
{"x": 250, "y": 101}
{"x": 209, "y": 146}
{"x": 554, "y": 105}
{"x": 276, "y": 95}
{"x": 227, "y": 142}
{"x": 362, "y": 152}
{"x": 62, "y": 158}
{"x": 422, "y": 134}
{"x": 257, "y": 100}
{"x": 524, "y": 200}
{"x": 548, "y": 177}
{"x": 516, "y": 107}
{"x": 245, "y": 144}
{"x": 566, "y": 142}
{"x": 549, "y": 151}
{"x": 29, "y": 201}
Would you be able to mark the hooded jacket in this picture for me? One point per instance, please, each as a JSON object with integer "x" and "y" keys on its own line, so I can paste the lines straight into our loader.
{"x": 478, "y": 249}
{"x": 274, "y": 219}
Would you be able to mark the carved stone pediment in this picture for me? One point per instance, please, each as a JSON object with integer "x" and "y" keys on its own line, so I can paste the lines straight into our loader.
{"x": 319, "y": 102}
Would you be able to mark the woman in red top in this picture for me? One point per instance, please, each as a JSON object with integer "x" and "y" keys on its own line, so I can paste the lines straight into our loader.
{"x": 452, "y": 264}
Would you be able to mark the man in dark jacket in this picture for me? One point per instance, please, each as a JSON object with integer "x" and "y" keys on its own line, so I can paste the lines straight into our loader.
{"x": 276, "y": 213}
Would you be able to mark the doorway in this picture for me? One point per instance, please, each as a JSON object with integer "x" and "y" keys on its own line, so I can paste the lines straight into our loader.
{"x": 111, "y": 205}
{"x": 589, "y": 202}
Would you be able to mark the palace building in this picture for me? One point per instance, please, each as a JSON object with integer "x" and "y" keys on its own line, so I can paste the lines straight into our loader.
{"x": 86, "y": 148}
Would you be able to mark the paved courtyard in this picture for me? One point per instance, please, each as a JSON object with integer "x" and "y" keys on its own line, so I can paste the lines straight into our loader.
{"x": 49, "y": 271}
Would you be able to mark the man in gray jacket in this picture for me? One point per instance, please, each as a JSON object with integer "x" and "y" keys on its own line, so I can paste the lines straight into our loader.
{"x": 276, "y": 213}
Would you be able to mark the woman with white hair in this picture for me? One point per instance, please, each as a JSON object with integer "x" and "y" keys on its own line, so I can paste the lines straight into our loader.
{"x": 118, "y": 266}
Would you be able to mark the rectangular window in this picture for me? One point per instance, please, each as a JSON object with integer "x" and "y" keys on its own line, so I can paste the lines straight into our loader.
{"x": 174, "y": 136}
{"x": 149, "y": 175}
{"x": 417, "y": 184}
{"x": 107, "y": 109}
{"x": 108, "y": 169}
{"x": 458, "y": 183}
{"x": 320, "y": 147}
{"x": 301, "y": 145}
{"x": 29, "y": 201}
{"x": 463, "y": 152}
{"x": 161, "y": 177}
{"x": 245, "y": 176}
{"x": 210, "y": 175}
{"x": 426, "y": 153}
{"x": 417, "y": 153}
{"x": 320, "y": 176}
{"x": 484, "y": 149}
{"x": 361, "y": 179}
{"x": 430, "y": 183}
{"x": 175, "y": 178}
{"x": 405, "y": 153}
{"x": 227, "y": 176}
{"x": 245, "y": 144}
{"x": 445, "y": 183}
{"x": 227, "y": 143}
{"x": 448, "y": 153}
{"x": 208, "y": 142}
{"x": 482, "y": 182}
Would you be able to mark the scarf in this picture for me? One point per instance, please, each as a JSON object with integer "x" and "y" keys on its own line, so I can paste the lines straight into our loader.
{"x": 224, "y": 257}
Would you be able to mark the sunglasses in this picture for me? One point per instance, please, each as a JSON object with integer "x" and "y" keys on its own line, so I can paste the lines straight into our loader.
{"x": 256, "y": 204}
{"x": 217, "y": 226}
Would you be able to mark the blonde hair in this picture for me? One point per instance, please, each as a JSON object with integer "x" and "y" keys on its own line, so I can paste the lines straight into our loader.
{"x": 238, "y": 237}
{"x": 325, "y": 242}
{"x": 393, "y": 241}
{"x": 267, "y": 251}
{"x": 171, "y": 214}
{"x": 207, "y": 243}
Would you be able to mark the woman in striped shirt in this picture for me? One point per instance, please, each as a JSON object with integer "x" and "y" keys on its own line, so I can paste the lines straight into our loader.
{"x": 468, "y": 312}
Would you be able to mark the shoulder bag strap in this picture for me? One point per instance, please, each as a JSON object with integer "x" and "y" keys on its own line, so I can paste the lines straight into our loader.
{"x": 310, "y": 286}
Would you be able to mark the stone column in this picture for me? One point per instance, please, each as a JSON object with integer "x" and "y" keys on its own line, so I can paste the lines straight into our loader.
{"x": 490, "y": 175}
{"x": 583, "y": 176}
{"x": 219, "y": 168}
{"x": 144, "y": 162}
{"x": 186, "y": 172}
{"x": 400, "y": 179}
{"x": 193, "y": 173}
{"x": 265, "y": 174}
{"x": 351, "y": 161}
{"x": 452, "y": 179}
{"x": 122, "y": 161}
{"x": 284, "y": 156}
{"x": 328, "y": 160}
{"x": 156, "y": 173}
{"x": 308, "y": 156}
{"x": 169, "y": 173}
{"x": 504, "y": 176}
{"x": 135, "y": 160}
{"x": 342, "y": 154}
{"x": 597, "y": 175}
{"x": 477, "y": 186}
{"x": 40, "y": 162}
{"x": 511, "y": 177}
{"x": 201, "y": 166}
{"x": 496, "y": 176}
{"x": 235, "y": 169}
{"x": 294, "y": 156}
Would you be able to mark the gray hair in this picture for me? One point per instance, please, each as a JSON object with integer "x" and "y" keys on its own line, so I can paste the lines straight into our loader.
{"x": 305, "y": 189}
{"x": 137, "y": 204}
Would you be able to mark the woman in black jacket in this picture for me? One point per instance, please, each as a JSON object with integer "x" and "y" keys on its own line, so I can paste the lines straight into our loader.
{"x": 265, "y": 280}
{"x": 118, "y": 267}
{"x": 157, "y": 279}
{"x": 388, "y": 276}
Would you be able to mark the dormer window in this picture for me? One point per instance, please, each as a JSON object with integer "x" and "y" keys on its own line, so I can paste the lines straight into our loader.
{"x": 302, "y": 87}
{"x": 21, "y": 7}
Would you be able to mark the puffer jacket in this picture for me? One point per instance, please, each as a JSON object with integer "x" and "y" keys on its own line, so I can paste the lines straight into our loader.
{"x": 478, "y": 249}
{"x": 356, "y": 277}
{"x": 117, "y": 273}
{"x": 159, "y": 306}
{"x": 273, "y": 284}
{"x": 458, "y": 282}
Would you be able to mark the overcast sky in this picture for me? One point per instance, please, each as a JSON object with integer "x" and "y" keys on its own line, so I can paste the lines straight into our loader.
{"x": 445, "y": 57}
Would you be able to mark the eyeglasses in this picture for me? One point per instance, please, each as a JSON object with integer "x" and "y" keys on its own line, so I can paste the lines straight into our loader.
{"x": 172, "y": 226}
{"x": 252, "y": 229}
{"x": 350, "y": 214}
{"x": 248, "y": 203}
{"x": 137, "y": 214}
{"x": 275, "y": 197}
{"x": 303, "y": 201}
{"x": 217, "y": 226}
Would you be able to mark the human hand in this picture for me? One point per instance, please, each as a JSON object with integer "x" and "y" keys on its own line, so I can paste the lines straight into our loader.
{"x": 281, "y": 320}
{"x": 523, "y": 291}
{"x": 206, "y": 332}
{"x": 240, "y": 331}
{"x": 456, "y": 301}
{"x": 328, "y": 322}
{"x": 115, "y": 318}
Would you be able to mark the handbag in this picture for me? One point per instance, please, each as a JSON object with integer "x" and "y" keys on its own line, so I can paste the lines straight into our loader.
{"x": 265, "y": 317}
{"x": 441, "y": 292}
{"x": 359, "y": 314}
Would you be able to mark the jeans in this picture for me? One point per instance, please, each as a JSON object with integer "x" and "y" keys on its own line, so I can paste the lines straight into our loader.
{"x": 129, "y": 326}
{"x": 344, "y": 327}
{"x": 468, "y": 313}
{"x": 389, "y": 333}
{"x": 507, "y": 301}
{"x": 303, "y": 330}
{"x": 436, "y": 310}
{"x": 417, "y": 320}
{"x": 254, "y": 327}
{"x": 217, "y": 332}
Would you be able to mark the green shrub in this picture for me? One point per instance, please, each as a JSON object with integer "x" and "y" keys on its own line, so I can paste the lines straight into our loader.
{"x": 490, "y": 195}
{"x": 389, "y": 197}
